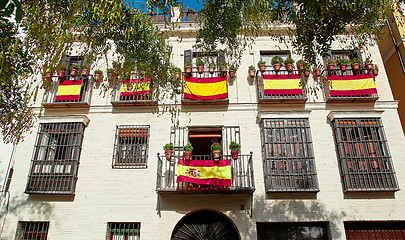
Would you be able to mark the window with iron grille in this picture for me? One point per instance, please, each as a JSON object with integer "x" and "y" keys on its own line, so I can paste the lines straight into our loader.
{"x": 131, "y": 146}
{"x": 55, "y": 159}
{"x": 267, "y": 57}
{"x": 292, "y": 231}
{"x": 32, "y": 231}
{"x": 288, "y": 155}
{"x": 363, "y": 155}
{"x": 123, "y": 231}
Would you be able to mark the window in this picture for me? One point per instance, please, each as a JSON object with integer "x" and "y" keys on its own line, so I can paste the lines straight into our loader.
{"x": 214, "y": 57}
{"x": 131, "y": 147}
{"x": 268, "y": 56}
{"x": 55, "y": 160}
{"x": 363, "y": 155}
{"x": 375, "y": 230}
{"x": 288, "y": 155}
{"x": 32, "y": 231}
{"x": 123, "y": 231}
{"x": 292, "y": 231}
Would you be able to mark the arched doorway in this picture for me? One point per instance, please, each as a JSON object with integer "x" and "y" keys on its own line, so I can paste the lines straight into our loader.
{"x": 205, "y": 225}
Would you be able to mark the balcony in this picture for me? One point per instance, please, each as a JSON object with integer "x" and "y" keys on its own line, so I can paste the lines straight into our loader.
{"x": 133, "y": 92}
{"x": 69, "y": 92}
{"x": 205, "y": 88}
{"x": 281, "y": 87}
{"x": 241, "y": 176}
{"x": 350, "y": 86}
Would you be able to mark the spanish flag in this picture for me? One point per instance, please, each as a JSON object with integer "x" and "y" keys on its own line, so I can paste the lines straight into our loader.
{"x": 135, "y": 87}
{"x": 208, "y": 172}
{"x": 282, "y": 84}
{"x": 68, "y": 90}
{"x": 205, "y": 88}
{"x": 351, "y": 85}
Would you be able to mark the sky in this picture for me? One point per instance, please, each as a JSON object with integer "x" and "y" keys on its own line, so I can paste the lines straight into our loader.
{"x": 141, "y": 4}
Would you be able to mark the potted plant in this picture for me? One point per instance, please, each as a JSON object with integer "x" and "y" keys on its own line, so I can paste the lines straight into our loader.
{"x": 116, "y": 65}
{"x": 74, "y": 69}
{"x": 177, "y": 73}
{"x": 262, "y": 66}
{"x": 331, "y": 65}
{"x": 375, "y": 70}
{"x": 85, "y": 70}
{"x": 232, "y": 71}
{"x": 368, "y": 64}
{"x": 47, "y": 76}
{"x": 110, "y": 74}
{"x": 342, "y": 63}
{"x": 98, "y": 75}
{"x": 234, "y": 147}
{"x": 306, "y": 70}
{"x": 168, "y": 150}
{"x": 252, "y": 71}
{"x": 355, "y": 63}
{"x": 223, "y": 65}
{"x": 211, "y": 67}
{"x": 300, "y": 65}
{"x": 187, "y": 151}
{"x": 61, "y": 70}
{"x": 277, "y": 61}
{"x": 317, "y": 71}
{"x": 289, "y": 64}
{"x": 188, "y": 68}
{"x": 200, "y": 66}
{"x": 216, "y": 150}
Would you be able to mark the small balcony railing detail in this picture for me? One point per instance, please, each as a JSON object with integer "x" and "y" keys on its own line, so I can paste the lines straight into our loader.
{"x": 132, "y": 92}
{"x": 242, "y": 179}
{"x": 214, "y": 90}
{"x": 270, "y": 89}
{"x": 350, "y": 86}
{"x": 69, "y": 92}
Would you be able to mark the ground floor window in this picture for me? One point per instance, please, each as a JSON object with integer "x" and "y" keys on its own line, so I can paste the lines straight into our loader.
{"x": 123, "y": 231}
{"x": 375, "y": 230}
{"x": 292, "y": 231}
{"x": 32, "y": 230}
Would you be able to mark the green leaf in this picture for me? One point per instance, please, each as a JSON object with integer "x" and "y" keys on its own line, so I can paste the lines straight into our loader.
{"x": 3, "y": 4}
{"x": 19, "y": 11}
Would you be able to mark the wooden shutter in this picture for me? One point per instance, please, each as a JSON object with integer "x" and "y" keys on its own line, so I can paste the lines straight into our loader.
{"x": 66, "y": 62}
{"x": 179, "y": 138}
{"x": 188, "y": 56}
{"x": 221, "y": 57}
{"x": 229, "y": 134}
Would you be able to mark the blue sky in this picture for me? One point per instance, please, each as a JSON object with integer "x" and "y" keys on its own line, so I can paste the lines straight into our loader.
{"x": 141, "y": 4}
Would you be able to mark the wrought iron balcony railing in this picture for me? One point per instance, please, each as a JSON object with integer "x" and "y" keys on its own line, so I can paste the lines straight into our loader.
{"x": 265, "y": 95}
{"x": 355, "y": 95}
{"x": 133, "y": 92}
{"x": 69, "y": 92}
{"x": 242, "y": 179}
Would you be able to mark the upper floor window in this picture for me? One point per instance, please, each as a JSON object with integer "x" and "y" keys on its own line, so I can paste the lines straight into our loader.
{"x": 288, "y": 155}
{"x": 123, "y": 231}
{"x": 267, "y": 57}
{"x": 56, "y": 157}
{"x": 363, "y": 155}
{"x": 211, "y": 57}
{"x": 32, "y": 231}
{"x": 131, "y": 146}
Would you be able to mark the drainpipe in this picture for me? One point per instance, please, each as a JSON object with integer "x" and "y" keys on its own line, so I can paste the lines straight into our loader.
{"x": 396, "y": 46}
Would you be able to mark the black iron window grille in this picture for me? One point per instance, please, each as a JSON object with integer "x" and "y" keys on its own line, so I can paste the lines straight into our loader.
{"x": 32, "y": 231}
{"x": 363, "y": 155}
{"x": 131, "y": 146}
{"x": 292, "y": 230}
{"x": 123, "y": 231}
{"x": 288, "y": 162}
{"x": 55, "y": 159}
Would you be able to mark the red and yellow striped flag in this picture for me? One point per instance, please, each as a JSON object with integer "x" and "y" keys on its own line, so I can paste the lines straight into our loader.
{"x": 205, "y": 88}
{"x": 68, "y": 90}
{"x": 282, "y": 84}
{"x": 351, "y": 85}
{"x": 208, "y": 172}
{"x": 135, "y": 87}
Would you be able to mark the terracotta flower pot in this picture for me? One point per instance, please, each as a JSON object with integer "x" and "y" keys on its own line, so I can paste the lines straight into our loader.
{"x": 232, "y": 73}
{"x": 368, "y": 66}
{"x": 375, "y": 72}
{"x": 61, "y": 74}
{"x": 85, "y": 72}
{"x": 97, "y": 77}
{"x": 289, "y": 67}
{"x": 234, "y": 154}
{"x": 200, "y": 69}
{"x": 277, "y": 67}
{"x": 262, "y": 67}
{"x": 188, "y": 70}
{"x": 252, "y": 73}
{"x": 300, "y": 67}
{"x": 317, "y": 72}
{"x": 187, "y": 155}
{"x": 223, "y": 69}
{"x": 216, "y": 153}
{"x": 306, "y": 73}
{"x": 343, "y": 67}
{"x": 110, "y": 76}
{"x": 73, "y": 72}
{"x": 331, "y": 67}
{"x": 212, "y": 70}
{"x": 355, "y": 67}
{"x": 168, "y": 154}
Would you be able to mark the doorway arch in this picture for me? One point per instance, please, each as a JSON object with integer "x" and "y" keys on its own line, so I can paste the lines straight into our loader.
{"x": 205, "y": 225}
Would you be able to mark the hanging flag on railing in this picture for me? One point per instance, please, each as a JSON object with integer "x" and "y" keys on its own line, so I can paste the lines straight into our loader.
{"x": 207, "y": 172}
{"x": 205, "y": 88}
{"x": 135, "y": 87}
{"x": 68, "y": 90}
{"x": 351, "y": 85}
{"x": 282, "y": 84}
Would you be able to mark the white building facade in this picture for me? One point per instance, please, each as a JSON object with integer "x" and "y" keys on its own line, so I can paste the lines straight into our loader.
{"x": 312, "y": 165}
